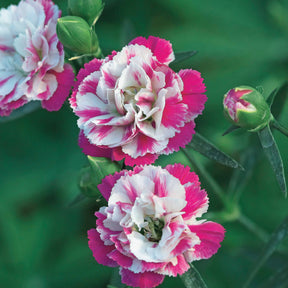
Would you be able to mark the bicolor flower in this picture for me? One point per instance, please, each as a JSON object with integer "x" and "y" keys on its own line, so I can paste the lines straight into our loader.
{"x": 31, "y": 57}
{"x": 132, "y": 105}
{"x": 150, "y": 227}
{"x": 246, "y": 107}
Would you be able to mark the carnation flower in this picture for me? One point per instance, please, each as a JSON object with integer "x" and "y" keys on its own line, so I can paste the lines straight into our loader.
{"x": 31, "y": 57}
{"x": 132, "y": 105}
{"x": 150, "y": 227}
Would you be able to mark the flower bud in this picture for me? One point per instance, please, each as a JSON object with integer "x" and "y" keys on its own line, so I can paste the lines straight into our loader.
{"x": 247, "y": 108}
{"x": 89, "y": 10}
{"x": 75, "y": 34}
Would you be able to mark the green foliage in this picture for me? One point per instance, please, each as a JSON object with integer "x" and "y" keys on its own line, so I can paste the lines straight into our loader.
{"x": 93, "y": 175}
{"x": 272, "y": 152}
{"x": 206, "y": 148}
{"x": 276, "y": 238}
{"x": 44, "y": 242}
{"x": 89, "y": 10}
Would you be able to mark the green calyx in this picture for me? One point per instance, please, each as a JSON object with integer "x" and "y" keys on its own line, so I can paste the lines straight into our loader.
{"x": 76, "y": 35}
{"x": 259, "y": 118}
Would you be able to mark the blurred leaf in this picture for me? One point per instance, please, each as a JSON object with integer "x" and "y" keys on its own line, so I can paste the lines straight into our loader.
{"x": 102, "y": 167}
{"x": 272, "y": 152}
{"x": 276, "y": 238}
{"x": 115, "y": 280}
{"x": 182, "y": 56}
{"x": 22, "y": 111}
{"x": 206, "y": 148}
{"x": 277, "y": 280}
{"x": 88, "y": 184}
{"x": 271, "y": 97}
{"x": 93, "y": 175}
{"x": 230, "y": 129}
{"x": 192, "y": 278}
{"x": 240, "y": 178}
{"x": 78, "y": 198}
{"x": 279, "y": 11}
{"x": 128, "y": 32}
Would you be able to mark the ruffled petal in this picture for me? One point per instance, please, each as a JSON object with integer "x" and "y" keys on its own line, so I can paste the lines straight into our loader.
{"x": 141, "y": 280}
{"x": 181, "y": 139}
{"x": 92, "y": 150}
{"x": 193, "y": 92}
{"x": 65, "y": 81}
{"x": 100, "y": 250}
{"x": 211, "y": 235}
{"x": 161, "y": 48}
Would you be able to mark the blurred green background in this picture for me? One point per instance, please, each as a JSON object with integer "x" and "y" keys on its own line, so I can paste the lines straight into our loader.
{"x": 43, "y": 240}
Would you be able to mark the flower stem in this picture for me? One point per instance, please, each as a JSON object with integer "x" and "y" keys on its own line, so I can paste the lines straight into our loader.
{"x": 279, "y": 127}
{"x": 253, "y": 227}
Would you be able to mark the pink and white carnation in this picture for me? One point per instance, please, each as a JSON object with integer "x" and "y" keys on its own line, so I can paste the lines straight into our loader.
{"x": 31, "y": 57}
{"x": 150, "y": 227}
{"x": 132, "y": 105}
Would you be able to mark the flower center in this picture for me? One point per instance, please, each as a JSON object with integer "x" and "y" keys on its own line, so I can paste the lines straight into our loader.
{"x": 152, "y": 229}
{"x": 129, "y": 94}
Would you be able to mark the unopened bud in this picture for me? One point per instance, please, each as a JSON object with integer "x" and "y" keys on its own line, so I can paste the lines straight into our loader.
{"x": 75, "y": 34}
{"x": 247, "y": 108}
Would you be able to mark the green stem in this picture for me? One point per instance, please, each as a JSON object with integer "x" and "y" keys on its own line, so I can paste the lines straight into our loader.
{"x": 279, "y": 127}
{"x": 253, "y": 227}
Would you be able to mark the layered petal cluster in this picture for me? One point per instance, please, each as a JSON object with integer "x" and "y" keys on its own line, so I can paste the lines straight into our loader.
{"x": 31, "y": 57}
{"x": 132, "y": 105}
{"x": 233, "y": 102}
{"x": 150, "y": 227}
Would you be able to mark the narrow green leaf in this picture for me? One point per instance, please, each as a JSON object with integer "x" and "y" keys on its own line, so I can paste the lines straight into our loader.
{"x": 277, "y": 280}
{"x": 182, "y": 56}
{"x": 270, "y": 99}
{"x": 276, "y": 238}
{"x": 192, "y": 278}
{"x": 206, "y": 148}
{"x": 279, "y": 100}
{"x": 22, "y": 111}
{"x": 272, "y": 152}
